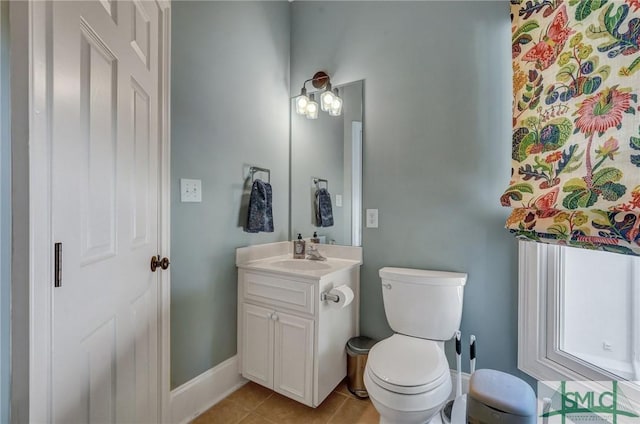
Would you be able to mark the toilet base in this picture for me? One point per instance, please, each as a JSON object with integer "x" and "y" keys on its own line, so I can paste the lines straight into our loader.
{"x": 391, "y": 416}
{"x": 437, "y": 419}
{"x": 434, "y": 420}
{"x": 407, "y": 408}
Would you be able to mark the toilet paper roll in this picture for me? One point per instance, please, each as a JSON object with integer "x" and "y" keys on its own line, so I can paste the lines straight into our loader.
{"x": 345, "y": 296}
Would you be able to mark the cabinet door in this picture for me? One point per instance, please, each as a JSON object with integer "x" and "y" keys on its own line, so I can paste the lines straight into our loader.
{"x": 293, "y": 366}
{"x": 257, "y": 344}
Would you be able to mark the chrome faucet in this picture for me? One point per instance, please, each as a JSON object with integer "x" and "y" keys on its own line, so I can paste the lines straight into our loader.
{"x": 313, "y": 253}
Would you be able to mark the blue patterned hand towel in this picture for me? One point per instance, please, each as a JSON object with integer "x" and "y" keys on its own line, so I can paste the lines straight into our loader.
{"x": 324, "y": 212}
{"x": 260, "y": 216}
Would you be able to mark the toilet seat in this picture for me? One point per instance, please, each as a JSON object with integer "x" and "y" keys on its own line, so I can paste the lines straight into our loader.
{"x": 407, "y": 365}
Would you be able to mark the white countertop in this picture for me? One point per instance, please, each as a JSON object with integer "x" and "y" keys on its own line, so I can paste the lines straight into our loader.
{"x": 305, "y": 268}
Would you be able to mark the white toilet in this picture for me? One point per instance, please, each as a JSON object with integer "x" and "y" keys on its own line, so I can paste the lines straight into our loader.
{"x": 407, "y": 375}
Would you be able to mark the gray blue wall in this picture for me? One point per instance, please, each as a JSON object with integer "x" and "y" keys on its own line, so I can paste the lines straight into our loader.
{"x": 230, "y": 108}
{"x": 5, "y": 214}
{"x": 19, "y": 75}
{"x": 436, "y": 152}
{"x": 436, "y": 147}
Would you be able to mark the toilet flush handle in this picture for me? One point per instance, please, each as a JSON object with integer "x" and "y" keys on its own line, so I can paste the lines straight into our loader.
{"x": 386, "y": 286}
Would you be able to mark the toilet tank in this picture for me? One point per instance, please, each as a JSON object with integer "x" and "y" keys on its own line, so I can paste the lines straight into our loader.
{"x": 423, "y": 303}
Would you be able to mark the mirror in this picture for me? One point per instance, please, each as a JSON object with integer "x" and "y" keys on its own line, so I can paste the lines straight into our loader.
{"x": 327, "y": 153}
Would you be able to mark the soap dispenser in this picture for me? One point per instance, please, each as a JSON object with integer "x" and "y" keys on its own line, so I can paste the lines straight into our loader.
{"x": 315, "y": 238}
{"x": 299, "y": 249}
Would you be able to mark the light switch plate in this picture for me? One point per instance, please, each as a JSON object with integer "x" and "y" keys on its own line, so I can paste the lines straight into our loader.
{"x": 338, "y": 200}
{"x": 372, "y": 218}
{"x": 190, "y": 190}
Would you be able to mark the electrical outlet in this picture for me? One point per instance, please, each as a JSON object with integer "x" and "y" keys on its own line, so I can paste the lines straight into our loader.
{"x": 338, "y": 200}
{"x": 190, "y": 190}
{"x": 372, "y": 218}
{"x": 607, "y": 346}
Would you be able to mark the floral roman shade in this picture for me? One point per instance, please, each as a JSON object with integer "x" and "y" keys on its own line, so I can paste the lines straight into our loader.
{"x": 576, "y": 123}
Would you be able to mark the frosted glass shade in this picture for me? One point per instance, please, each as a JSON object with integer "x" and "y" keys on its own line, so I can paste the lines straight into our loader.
{"x": 336, "y": 106}
{"x": 326, "y": 99}
{"x": 312, "y": 110}
{"x": 301, "y": 103}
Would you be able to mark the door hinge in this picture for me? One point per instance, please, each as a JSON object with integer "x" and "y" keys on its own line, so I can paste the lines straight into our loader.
{"x": 57, "y": 265}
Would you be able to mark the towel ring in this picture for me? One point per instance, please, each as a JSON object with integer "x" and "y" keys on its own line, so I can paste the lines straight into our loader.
{"x": 254, "y": 169}
{"x": 317, "y": 182}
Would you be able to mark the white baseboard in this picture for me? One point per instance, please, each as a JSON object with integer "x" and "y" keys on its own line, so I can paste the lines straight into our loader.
{"x": 465, "y": 383}
{"x": 197, "y": 395}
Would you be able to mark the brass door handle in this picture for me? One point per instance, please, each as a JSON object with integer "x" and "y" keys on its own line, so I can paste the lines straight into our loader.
{"x": 156, "y": 263}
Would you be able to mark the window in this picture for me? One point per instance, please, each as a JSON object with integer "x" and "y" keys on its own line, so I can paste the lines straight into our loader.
{"x": 579, "y": 314}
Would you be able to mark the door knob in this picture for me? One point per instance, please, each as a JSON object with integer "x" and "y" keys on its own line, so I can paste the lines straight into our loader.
{"x": 161, "y": 263}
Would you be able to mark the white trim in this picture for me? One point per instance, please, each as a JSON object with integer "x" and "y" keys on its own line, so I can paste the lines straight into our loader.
{"x": 532, "y": 317}
{"x": 165, "y": 209}
{"x": 356, "y": 183}
{"x": 635, "y": 319}
{"x": 533, "y": 326}
{"x": 539, "y": 266}
{"x": 529, "y": 325}
{"x": 38, "y": 211}
{"x": 555, "y": 282}
{"x": 201, "y": 393}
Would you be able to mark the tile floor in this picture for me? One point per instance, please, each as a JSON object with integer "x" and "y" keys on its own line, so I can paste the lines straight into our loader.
{"x": 254, "y": 404}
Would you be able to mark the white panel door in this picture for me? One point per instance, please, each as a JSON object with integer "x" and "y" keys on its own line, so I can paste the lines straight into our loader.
{"x": 257, "y": 344}
{"x": 105, "y": 173}
{"x": 293, "y": 357}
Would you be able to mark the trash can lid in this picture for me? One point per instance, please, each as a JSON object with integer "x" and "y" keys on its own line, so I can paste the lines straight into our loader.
{"x": 360, "y": 345}
{"x": 503, "y": 392}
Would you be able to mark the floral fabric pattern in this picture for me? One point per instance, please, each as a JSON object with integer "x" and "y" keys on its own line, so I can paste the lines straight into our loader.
{"x": 576, "y": 123}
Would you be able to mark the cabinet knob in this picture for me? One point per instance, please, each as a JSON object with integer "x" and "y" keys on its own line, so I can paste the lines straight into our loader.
{"x": 275, "y": 316}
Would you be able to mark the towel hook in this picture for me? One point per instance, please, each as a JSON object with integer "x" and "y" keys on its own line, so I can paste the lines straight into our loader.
{"x": 254, "y": 169}
{"x": 317, "y": 182}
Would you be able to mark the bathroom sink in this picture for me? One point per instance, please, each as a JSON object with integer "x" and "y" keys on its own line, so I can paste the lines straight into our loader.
{"x": 301, "y": 265}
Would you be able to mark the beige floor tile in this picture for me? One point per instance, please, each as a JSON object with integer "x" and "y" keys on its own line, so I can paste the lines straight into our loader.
{"x": 254, "y": 418}
{"x": 282, "y": 410}
{"x": 250, "y": 396}
{"x": 343, "y": 389}
{"x": 224, "y": 412}
{"x": 356, "y": 411}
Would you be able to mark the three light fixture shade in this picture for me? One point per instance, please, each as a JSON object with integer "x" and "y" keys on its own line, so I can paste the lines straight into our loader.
{"x": 330, "y": 101}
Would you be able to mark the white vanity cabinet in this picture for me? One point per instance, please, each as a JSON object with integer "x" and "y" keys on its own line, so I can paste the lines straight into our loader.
{"x": 278, "y": 351}
{"x": 288, "y": 339}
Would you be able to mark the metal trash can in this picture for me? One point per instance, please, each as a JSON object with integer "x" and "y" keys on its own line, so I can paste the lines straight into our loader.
{"x": 357, "y": 352}
{"x": 497, "y": 397}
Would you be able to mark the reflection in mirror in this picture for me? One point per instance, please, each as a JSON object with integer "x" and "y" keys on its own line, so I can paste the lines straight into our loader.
{"x": 328, "y": 148}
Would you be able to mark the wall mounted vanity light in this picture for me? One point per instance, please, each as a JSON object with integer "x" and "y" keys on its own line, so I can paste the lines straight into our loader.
{"x": 330, "y": 101}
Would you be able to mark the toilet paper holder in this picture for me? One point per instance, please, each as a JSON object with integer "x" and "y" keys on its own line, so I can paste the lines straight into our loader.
{"x": 328, "y": 296}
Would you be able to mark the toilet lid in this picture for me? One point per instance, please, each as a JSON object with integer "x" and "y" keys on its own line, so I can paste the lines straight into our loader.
{"x": 406, "y": 364}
